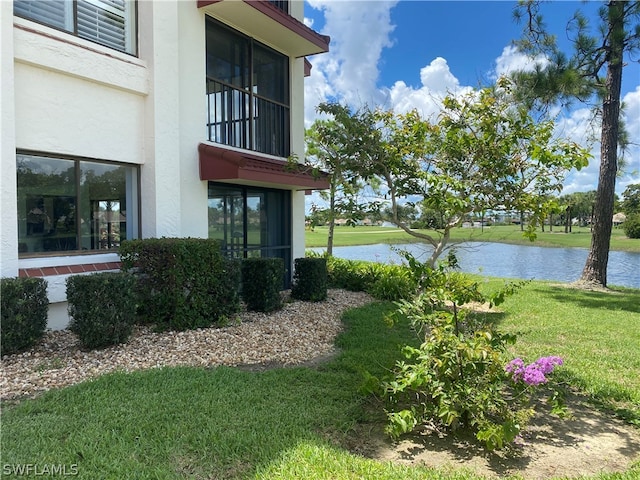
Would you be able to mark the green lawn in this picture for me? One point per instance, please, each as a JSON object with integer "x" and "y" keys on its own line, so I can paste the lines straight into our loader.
{"x": 579, "y": 237}
{"x": 287, "y": 423}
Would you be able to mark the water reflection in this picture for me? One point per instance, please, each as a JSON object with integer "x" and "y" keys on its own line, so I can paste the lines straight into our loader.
{"x": 510, "y": 261}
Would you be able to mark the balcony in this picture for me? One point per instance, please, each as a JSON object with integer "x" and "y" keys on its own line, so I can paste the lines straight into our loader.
{"x": 268, "y": 22}
{"x": 245, "y": 121}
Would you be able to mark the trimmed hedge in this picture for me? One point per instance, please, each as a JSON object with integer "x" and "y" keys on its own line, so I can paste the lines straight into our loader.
{"x": 23, "y": 311}
{"x": 102, "y": 308}
{"x": 310, "y": 279}
{"x": 182, "y": 283}
{"x": 261, "y": 283}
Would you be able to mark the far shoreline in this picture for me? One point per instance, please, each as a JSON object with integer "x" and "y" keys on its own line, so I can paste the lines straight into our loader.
{"x": 580, "y": 237}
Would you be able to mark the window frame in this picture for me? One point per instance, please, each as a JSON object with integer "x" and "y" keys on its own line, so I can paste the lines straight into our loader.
{"x": 243, "y": 128}
{"x": 71, "y": 18}
{"x": 77, "y": 161}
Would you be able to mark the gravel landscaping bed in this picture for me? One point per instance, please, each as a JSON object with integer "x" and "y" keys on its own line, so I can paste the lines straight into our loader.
{"x": 300, "y": 332}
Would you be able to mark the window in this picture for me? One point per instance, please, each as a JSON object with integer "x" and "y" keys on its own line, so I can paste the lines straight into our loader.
{"x": 281, "y": 4}
{"x": 247, "y": 92}
{"x": 74, "y": 205}
{"x": 107, "y": 22}
{"x": 251, "y": 222}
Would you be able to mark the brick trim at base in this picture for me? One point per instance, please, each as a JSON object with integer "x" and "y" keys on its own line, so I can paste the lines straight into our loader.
{"x": 68, "y": 269}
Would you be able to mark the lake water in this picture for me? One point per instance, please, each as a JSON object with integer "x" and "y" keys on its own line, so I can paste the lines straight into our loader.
{"x": 510, "y": 261}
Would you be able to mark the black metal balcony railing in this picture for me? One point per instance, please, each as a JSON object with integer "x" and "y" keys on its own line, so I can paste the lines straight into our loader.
{"x": 239, "y": 119}
{"x": 281, "y": 4}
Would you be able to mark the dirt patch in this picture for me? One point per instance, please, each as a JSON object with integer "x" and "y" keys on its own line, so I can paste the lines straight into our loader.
{"x": 588, "y": 443}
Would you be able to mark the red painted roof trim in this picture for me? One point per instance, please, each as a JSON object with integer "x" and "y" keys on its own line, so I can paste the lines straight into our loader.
{"x": 284, "y": 19}
{"x": 307, "y": 67}
{"x": 220, "y": 163}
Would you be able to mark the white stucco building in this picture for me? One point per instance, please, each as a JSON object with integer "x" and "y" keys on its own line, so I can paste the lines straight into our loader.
{"x": 134, "y": 119}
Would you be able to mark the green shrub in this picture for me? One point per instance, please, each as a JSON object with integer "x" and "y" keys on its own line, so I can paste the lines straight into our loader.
{"x": 459, "y": 377}
{"x": 262, "y": 282}
{"x": 182, "y": 283}
{"x": 382, "y": 281}
{"x": 102, "y": 308}
{"x": 310, "y": 279}
{"x": 23, "y": 307}
{"x": 351, "y": 275}
{"x": 631, "y": 226}
{"x": 393, "y": 283}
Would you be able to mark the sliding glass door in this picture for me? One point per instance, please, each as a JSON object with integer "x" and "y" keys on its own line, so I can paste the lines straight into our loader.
{"x": 251, "y": 222}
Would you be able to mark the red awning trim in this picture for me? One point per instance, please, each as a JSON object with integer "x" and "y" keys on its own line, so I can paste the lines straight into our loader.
{"x": 220, "y": 163}
{"x": 286, "y": 20}
{"x": 307, "y": 67}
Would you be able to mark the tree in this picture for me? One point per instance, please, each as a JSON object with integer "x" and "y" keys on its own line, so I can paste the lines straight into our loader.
{"x": 581, "y": 77}
{"x": 582, "y": 204}
{"x": 631, "y": 202}
{"x": 330, "y": 148}
{"x": 484, "y": 153}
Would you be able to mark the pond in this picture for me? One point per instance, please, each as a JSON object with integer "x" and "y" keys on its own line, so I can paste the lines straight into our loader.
{"x": 509, "y": 261}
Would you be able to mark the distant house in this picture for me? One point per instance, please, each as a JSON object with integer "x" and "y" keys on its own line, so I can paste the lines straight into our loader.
{"x": 619, "y": 218}
{"x": 136, "y": 119}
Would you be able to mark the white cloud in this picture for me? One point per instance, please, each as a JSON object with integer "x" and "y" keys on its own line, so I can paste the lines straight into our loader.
{"x": 349, "y": 71}
{"x": 437, "y": 82}
{"x": 631, "y": 113}
{"x": 580, "y": 127}
{"x": 512, "y": 60}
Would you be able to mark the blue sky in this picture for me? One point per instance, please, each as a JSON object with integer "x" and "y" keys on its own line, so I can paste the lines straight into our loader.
{"x": 409, "y": 54}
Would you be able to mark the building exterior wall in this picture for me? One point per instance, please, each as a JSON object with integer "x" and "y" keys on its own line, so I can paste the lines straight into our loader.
{"x": 62, "y": 95}
{"x": 8, "y": 188}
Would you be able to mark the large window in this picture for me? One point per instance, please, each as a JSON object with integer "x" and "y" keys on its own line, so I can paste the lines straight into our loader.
{"x": 251, "y": 222}
{"x": 247, "y": 92}
{"x": 74, "y": 205}
{"x": 108, "y": 22}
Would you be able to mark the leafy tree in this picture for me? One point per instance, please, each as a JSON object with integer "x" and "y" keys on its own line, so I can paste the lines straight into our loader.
{"x": 484, "y": 153}
{"x": 594, "y": 69}
{"x": 330, "y": 145}
{"x": 581, "y": 205}
{"x": 430, "y": 218}
{"x": 631, "y": 202}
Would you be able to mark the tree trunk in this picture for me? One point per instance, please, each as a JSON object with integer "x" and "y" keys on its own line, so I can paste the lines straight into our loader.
{"x": 595, "y": 269}
{"x": 332, "y": 219}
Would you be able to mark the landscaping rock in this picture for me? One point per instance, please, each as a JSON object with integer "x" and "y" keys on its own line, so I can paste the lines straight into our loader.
{"x": 300, "y": 332}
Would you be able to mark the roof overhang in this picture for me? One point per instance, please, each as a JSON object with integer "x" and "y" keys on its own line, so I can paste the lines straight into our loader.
{"x": 268, "y": 23}
{"x": 224, "y": 164}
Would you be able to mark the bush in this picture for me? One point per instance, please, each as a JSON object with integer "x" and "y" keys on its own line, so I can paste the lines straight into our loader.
{"x": 182, "y": 283}
{"x": 382, "y": 281}
{"x": 354, "y": 275}
{"x": 261, "y": 283}
{"x": 23, "y": 307}
{"x": 102, "y": 308}
{"x": 459, "y": 377}
{"x": 631, "y": 226}
{"x": 310, "y": 279}
{"x": 393, "y": 283}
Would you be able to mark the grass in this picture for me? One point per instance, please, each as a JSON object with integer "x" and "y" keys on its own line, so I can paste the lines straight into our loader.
{"x": 597, "y": 333}
{"x": 360, "y": 235}
{"x": 229, "y": 423}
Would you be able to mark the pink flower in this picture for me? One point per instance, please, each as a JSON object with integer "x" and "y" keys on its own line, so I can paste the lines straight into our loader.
{"x": 535, "y": 373}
